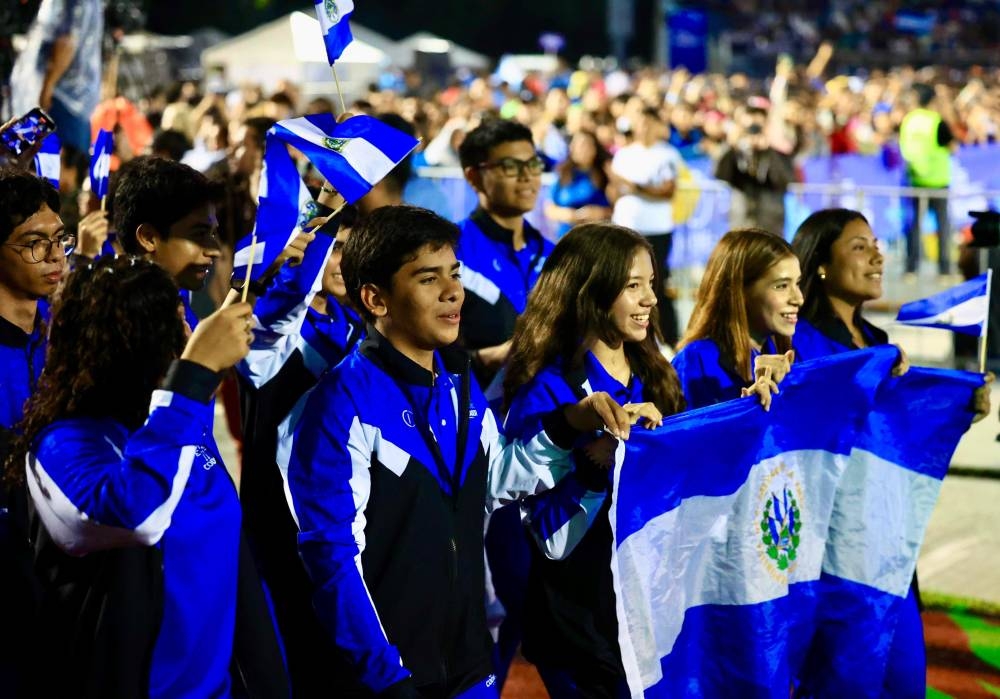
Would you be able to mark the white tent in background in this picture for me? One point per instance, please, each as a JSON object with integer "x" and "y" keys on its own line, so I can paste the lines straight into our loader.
{"x": 291, "y": 48}
{"x": 425, "y": 42}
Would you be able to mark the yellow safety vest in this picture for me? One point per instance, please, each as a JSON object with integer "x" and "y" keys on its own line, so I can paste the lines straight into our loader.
{"x": 928, "y": 164}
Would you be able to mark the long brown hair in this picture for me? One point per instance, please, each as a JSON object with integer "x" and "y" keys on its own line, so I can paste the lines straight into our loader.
{"x": 720, "y": 313}
{"x": 572, "y": 302}
{"x": 113, "y": 333}
{"x": 597, "y": 170}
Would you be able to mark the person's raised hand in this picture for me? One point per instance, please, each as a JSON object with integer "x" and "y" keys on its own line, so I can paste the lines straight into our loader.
{"x": 779, "y": 364}
{"x": 599, "y": 411}
{"x": 764, "y": 387}
{"x": 647, "y": 412}
{"x": 902, "y": 364}
{"x": 981, "y": 398}
{"x": 221, "y": 339}
{"x": 91, "y": 233}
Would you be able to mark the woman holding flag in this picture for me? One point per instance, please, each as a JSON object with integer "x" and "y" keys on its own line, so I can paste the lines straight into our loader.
{"x": 841, "y": 270}
{"x": 743, "y": 321}
{"x": 589, "y": 326}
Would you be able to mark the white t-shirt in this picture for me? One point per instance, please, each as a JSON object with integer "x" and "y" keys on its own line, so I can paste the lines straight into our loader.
{"x": 653, "y": 165}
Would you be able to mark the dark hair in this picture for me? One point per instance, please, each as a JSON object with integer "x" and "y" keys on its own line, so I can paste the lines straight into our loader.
{"x": 812, "y": 243}
{"x": 113, "y": 332}
{"x": 720, "y": 311}
{"x": 571, "y": 302}
{"x": 398, "y": 177}
{"x": 384, "y": 241}
{"x": 159, "y": 192}
{"x": 924, "y": 94}
{"x": 172, "y": 144}
{"x": 21, "y": 196}
{"x": 598, "y": 171}
{"x": 477, "y": 144}
{"x": 259, "y": 125}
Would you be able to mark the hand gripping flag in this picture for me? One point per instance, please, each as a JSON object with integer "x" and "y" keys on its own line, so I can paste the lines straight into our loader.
{"x": 963, "y": 308}
{"x": 353, "y": 154}
{"x": 284, "y": 207}
{"x": 47, "y": 163}
{"x": 100, "y": 163}
{"x": 755, "y": 549}
{"x": 333, "y": 18}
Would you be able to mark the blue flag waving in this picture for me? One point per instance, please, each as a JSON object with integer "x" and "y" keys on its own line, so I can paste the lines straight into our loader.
{"x": 333, "y": 18}
{"x": 963, "y": 308}
{"x": 100, "y": 163}
{"x": 284, "y": 207}
{"x": 735, "y": 529}
{"x": 353, "y": 154}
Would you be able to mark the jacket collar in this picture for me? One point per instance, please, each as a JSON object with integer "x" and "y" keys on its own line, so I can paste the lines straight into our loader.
{"x": 12, "y": 336}
{"x": 493, "y": 230}
{"x": 380, "y": 351}
{"x": 834, "y": 328}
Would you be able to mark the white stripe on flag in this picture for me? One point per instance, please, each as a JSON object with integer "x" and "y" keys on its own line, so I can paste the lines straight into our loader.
{"x": 969, "y": 312}
{"x": 48, "y": 165}
{"x": 884, "y": 495}
{"x": 242, "y": 257}
{"x": 366, "y": 159}
{"x": 672, "y": 565}
{"x": 337, "y": 8}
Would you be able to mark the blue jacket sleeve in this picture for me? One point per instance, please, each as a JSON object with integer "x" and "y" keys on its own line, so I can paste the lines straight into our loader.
{"x": 557, "y": 517}
{"x": 281, "y": 312}
{"x": 93, "y": 493}
{"x": 329, "y": 484}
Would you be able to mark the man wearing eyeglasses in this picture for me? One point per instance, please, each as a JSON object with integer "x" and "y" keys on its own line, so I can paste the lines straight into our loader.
{"x": 33, "y": 252}
{"x": 501, "y": 253}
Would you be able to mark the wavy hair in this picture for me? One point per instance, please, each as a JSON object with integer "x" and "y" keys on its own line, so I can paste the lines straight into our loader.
{"x": 571, "y": 302}
{"x": 812, "y": 243}
{"x": 112, "y": 335}
{"x": 596, "y": 172}
{"x": 720, "y": 313}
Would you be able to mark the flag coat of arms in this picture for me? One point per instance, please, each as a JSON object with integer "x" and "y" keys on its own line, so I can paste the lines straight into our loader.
{"x": 735, "y": 529}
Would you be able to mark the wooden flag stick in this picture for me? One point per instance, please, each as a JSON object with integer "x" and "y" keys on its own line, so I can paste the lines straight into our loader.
{"x": 986, "y": 323}
{"x": 340, "y": 93}
{"x": 104, "y": 203}
{"x": 246, "y": 282}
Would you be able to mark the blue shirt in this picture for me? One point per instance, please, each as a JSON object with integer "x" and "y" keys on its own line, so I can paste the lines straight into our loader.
{"x": 831, "y": 336}
{"x": 579, "y": 192}
{"x": 22, "y": 356}
{"x": 707, "y": 377}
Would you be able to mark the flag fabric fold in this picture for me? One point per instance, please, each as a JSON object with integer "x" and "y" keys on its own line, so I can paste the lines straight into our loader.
{"x": 284, "y": 207}
{"x": 731, "y": 524}
{"x": 963, "y": 308}
{"x": 100, "y": 163}
{"x": 334, "y": 16}
{"x": 353, "y": 154}
{"x": 47, "y": 163}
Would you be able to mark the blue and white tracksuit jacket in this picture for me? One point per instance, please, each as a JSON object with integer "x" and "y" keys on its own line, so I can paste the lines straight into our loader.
{"x": 96, "y": 486}
{"x": 389, "y": 470}
{"x": 570, "y": 621}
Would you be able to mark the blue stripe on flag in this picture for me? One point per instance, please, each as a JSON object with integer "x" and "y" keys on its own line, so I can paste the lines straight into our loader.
{"x": 47, "y": 162}
{"x": 334, "y": 16}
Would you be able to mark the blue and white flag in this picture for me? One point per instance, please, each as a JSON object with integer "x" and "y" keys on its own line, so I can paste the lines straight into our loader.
{"x": 352, "y": 155}
{"x": 333, "y": 18}
{"x": 47, "y": 162}
{"x": 100, "y": 163}
{"x": 735, "y": 528}
{"x": 963, "y": 308}
{"x": 284, "y": 207}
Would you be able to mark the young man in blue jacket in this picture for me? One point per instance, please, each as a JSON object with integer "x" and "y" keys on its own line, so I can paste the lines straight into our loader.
{"x": 392, "y": 461}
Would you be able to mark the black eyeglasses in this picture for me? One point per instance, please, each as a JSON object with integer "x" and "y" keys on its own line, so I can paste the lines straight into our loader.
{"x": 41, "y": 249}
{"x": 512, "y": 167}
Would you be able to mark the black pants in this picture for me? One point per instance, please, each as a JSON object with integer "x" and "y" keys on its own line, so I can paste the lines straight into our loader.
{"x": 939, "y": 205}
{"x": 662, "y": 242}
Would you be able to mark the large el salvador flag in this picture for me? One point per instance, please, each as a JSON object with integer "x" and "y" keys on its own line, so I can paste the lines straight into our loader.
{"x": 333, "y": 18}
{"x": 962, "y": 308}
{"x": 353, "y": 154}
{"x": 736, "y": 530}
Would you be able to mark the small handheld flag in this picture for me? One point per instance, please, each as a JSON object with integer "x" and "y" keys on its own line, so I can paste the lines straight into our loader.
{"x": 100, "y": 164}
{"x": 353, "y": 154}
{"x": 962, "y": 308}
{"x": 333, "y": 18}
{"x": 47, "y": 163}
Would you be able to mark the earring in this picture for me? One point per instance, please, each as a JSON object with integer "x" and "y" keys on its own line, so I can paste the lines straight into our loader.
{"x": 822, "y": 275}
